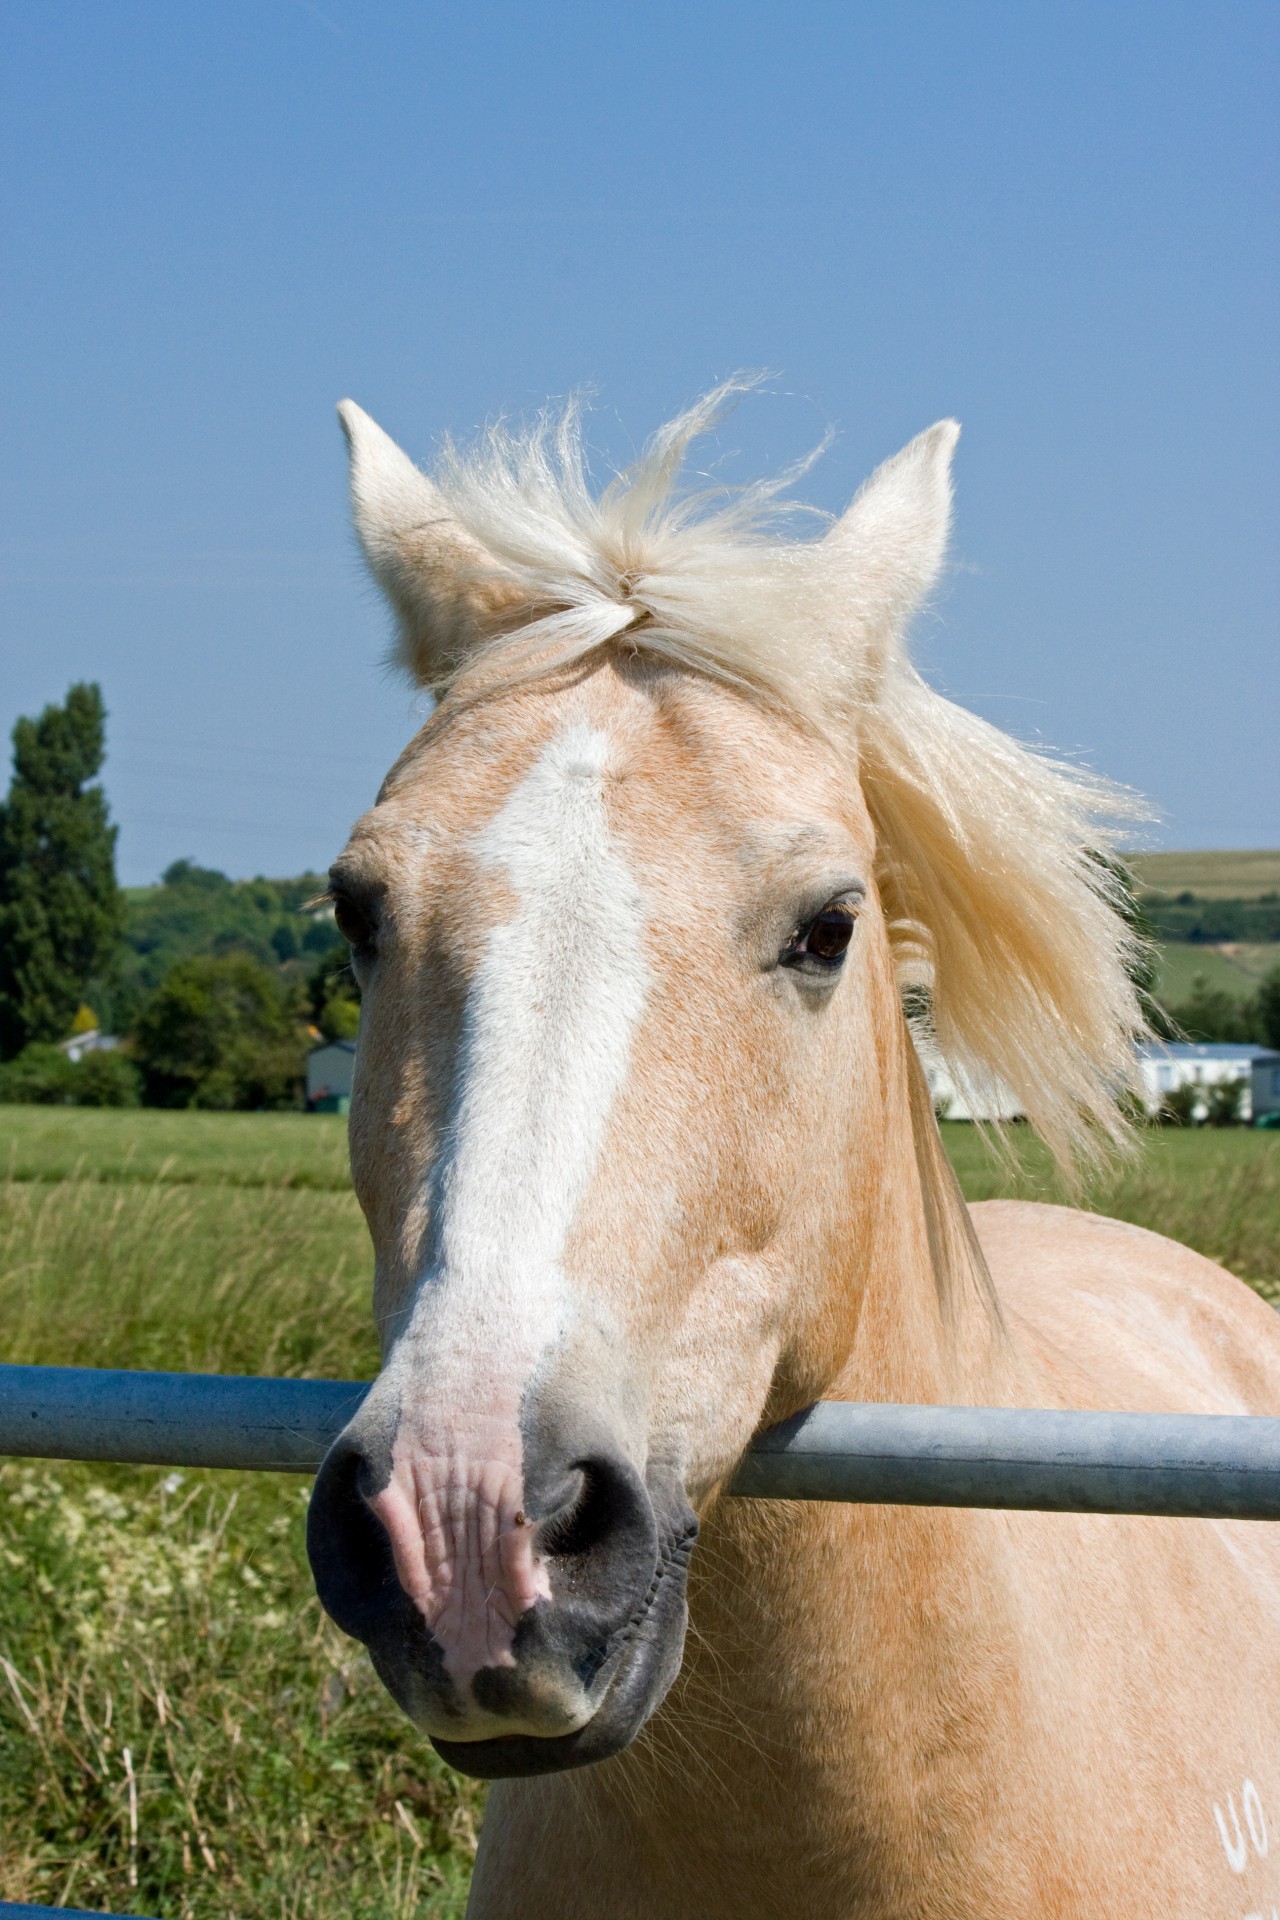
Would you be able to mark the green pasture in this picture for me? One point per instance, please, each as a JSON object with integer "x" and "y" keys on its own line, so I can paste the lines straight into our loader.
{"x": 281, "y": 1151}
{"x": 1240, "y": 874}
{"x": 1237, "y": 969}
{"x": 181, "y": 1732}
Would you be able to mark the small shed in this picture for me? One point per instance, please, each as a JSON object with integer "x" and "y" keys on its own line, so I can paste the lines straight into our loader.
{"x": 330, "y": 1070}
{"x": 1266, "y": 1087}
{"x": 1166, "y": 1065}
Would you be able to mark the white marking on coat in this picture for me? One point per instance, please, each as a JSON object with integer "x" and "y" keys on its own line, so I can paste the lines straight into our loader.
{"x": 545, "y": 1047}
{"x": 1254, "y": 1818}
{"x": 1237, "y": 1850}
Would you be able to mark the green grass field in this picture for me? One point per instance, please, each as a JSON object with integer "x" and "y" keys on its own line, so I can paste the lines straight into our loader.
{"x": 1236, "y": 969}
{"x": 181, "y": 1732}
{"x": 1211, "y": 876}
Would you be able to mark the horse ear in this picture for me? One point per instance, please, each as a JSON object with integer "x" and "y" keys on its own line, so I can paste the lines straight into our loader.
{"x": 445, "y": 588}
{"x": 989, "y": 856}
{"x": 891, "y": 543}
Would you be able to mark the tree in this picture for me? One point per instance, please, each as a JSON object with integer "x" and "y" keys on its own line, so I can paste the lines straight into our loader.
{"x": 1212, "y": 1014}
{"x": 61, "y": 915}
{"x": 197, "y": 910}
{"x": 333, "y": 995}
{"x": 1267, "y": 1005}
{"x": 219, "y": 1032}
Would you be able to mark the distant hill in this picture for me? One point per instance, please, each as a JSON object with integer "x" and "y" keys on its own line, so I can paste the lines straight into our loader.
{"x": 1235, "y": 969}
{"x": 1215, "y": 919}
{"x": 1211, "y": 899}
{"x": 1209, "y": 876}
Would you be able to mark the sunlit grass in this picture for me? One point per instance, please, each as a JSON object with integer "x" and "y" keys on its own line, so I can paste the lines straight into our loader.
{"x": 226, "y": 1149}
{"x": 204, "y": 1279}
{"x": 1217, "y": 1190}
{"x": 181, "y": 1731}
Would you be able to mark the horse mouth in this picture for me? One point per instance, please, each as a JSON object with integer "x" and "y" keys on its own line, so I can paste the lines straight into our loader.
{"x": 641, "y": 1664}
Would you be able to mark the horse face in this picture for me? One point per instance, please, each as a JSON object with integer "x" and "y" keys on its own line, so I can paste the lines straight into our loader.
{"x": 631, "y": 1043}
{"x": 626, "y": 989}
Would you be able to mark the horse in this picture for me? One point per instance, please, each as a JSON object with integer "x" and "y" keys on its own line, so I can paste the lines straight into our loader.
{"x": 653, "y": 921}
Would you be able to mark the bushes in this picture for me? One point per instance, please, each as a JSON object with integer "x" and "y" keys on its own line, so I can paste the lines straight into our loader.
{"x": 218, "y": 1032}
{"x": 1211, "y": 1014}
{"x": 1216, "y": 1103}
{"x": 39, "y": 1076}
{"x": 43, "y": 1076}
{"x": 107, "y": 1079}
{"x": 1178, "y": 1108}
{"x": 1223, "y": 1103}
{"x": 334, "y": 995}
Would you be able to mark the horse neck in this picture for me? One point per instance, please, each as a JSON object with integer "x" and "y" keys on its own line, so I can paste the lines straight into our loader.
{"x": 798, "y": 1607}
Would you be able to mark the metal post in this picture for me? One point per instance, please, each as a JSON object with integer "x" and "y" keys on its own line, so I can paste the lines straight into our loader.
{"x": 173, "y": 1419}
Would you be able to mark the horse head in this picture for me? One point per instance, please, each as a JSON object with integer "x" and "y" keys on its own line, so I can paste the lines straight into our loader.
{"x": 633, "y": 917}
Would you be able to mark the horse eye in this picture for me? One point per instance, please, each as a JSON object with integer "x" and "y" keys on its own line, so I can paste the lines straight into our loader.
{"x": 829, "y": 936}
{"x": 353, "y": 924}
{"x": 821, "y": 946}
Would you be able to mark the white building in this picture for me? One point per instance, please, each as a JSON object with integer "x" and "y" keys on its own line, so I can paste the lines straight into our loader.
{"x": 1166, "y": 1065}
{"x": 956, "y": 1097}
{"x": 1162, "y": 1065}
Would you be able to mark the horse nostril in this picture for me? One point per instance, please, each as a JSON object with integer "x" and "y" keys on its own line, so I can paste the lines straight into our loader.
{"x": 608, "y": 1500}
{"x": 347, "y": 1544}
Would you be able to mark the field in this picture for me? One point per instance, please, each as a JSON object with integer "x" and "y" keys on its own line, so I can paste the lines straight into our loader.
{"x": 1237, "y": 969}
{"x": 181, "y": 1733}
{"x": 1211, "y": 876}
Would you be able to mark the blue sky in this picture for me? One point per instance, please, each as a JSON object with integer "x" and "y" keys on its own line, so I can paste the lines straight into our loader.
{"x": 1057, "y": 222}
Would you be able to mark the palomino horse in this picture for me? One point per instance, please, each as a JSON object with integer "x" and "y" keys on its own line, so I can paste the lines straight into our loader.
{"x": 649, "y": 1162}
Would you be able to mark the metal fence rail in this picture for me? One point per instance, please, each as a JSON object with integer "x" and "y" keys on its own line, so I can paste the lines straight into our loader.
{"x": 9, "y": 1910}
{"x": 1201, "y": 1466}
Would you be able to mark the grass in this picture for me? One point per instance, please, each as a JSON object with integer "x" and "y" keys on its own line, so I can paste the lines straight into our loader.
{"x": 181, "y": 1731}
{"x": 275, "y": 1150}
{"x": 1236, "y": 969}
{"x": 1212, "y": 876}
{"x": 1215, "y": 1190}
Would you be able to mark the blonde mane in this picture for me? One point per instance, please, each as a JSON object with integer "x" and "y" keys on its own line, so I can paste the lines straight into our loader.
{"x": 995, "y": 860}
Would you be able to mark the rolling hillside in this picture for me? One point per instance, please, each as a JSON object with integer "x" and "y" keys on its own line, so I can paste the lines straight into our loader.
{"x": 1210, "y": 876}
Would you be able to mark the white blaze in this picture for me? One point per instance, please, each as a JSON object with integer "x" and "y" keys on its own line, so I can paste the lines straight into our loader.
{"x": 546, "y": 1040}
{"x": 545, "y": 1044}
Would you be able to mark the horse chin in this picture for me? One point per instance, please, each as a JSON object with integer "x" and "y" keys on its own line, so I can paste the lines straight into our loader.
{"x": 636, "y": 1690}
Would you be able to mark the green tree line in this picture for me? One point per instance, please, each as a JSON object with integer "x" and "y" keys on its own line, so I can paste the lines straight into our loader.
{"x": 216, "y": 987}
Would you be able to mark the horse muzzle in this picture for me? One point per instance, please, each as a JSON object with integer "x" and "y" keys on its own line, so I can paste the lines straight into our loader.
{"x": 528, "y": 1620}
